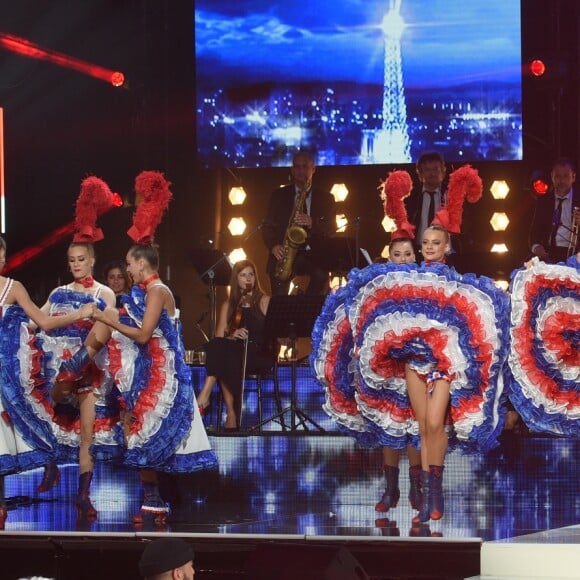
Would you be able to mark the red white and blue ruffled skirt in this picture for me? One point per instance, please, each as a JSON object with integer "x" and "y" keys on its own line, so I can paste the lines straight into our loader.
{"x": 59, "y": 344}
{"x": 163, "y": 429}
{"x": 30, "y": 362}
{"x": 440, "y": 323}
{"x": 545, "y": 356}
{"x": 27, "y": 440}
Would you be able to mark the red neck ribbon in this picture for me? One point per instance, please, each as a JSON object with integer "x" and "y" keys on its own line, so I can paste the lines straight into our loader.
{"x": 87, "y": 281}
{"x": 147, "y": 281}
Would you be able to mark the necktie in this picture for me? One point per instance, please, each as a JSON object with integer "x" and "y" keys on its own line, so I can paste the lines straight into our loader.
{"x": 431, "y": 211}
{"x": 557, "y": 221}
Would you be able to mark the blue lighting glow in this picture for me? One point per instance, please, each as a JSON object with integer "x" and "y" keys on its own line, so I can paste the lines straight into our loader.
{"x": 357, "y": 83}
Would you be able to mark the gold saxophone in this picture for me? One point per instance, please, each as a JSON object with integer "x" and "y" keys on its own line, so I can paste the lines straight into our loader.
{"x": 294, "y": 238}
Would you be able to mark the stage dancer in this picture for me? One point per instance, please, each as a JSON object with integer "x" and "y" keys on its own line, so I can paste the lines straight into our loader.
{"x": 239, "y": 342}
{"x": 80, "y": 382}
{"x": 163, "y": 430}
{"x": 401, "y": 251}
{"x": 446, "y": 334}
{"x": 544, "y": 357}
{"x": 26, "y": 439}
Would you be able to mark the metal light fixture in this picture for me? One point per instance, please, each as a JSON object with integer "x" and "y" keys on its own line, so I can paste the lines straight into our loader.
{"x": 237, "y": 195}
{"x": 341, "y": 222}
{"x": 237, "y": 226}
{"x": 499, "y": 189}
{"x": 499, "y": 221}
{"x": 339, "y": 191}
{"x": 388, "y": 224}
{"x": 499, "y": 248}
{"x": 236, "y": 255}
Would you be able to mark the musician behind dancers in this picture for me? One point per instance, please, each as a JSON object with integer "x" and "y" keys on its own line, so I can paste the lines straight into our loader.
{"x": 298, "y": 206}
{"x": 239, "y": 343}
{"x": 553, "y": 233}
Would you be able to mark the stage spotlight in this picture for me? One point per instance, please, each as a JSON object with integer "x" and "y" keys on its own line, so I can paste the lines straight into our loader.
{"x": 499, "y": 248}
{"x": 385, "y": 252}
{"x": 537, "y": 67}
{"x": 117, "y": 79}
{"x": 552, "y": 70}
{"x": 502, "y": 284}
{"x": 499, "y": 221}
{"x": 337, "y": 282}
{"x": 499, "y": 189}
{"x": 540, "y": 182}
{"x": 339, "y": 191}
{"x": 237, "y": 255}
{"x": 341, "y": 222}
{"x": 237, "y": 195}
{"x": 237, "y": 226}
{"x": 388, "y": 224}
{"x": 29, "y": 49}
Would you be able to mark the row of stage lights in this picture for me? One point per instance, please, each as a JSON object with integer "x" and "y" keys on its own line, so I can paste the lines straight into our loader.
{"x": 237, "y": 224}
{"x": 499, "y": 221}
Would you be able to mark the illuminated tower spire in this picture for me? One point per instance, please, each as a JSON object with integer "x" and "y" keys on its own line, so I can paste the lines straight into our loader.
{"x": 391, "y": 143}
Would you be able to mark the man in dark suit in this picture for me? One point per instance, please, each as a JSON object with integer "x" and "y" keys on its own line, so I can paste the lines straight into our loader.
{"x": 317, "y": 217}
{"x": 553, "y": 223}
{"x": 427, "y": 199}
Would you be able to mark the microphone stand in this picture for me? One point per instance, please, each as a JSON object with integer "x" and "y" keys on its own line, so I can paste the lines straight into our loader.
{"x": 210, "y": 273}
{"x": 355, "y": 223}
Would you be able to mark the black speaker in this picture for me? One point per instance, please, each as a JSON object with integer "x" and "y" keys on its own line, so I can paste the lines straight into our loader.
{"x": 290, "y": 562}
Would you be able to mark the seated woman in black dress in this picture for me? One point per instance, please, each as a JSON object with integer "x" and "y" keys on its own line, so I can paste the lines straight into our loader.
{"x": 241, "y": 318}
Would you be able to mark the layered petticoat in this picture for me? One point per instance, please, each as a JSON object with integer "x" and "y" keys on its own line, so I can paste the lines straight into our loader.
{"x": 27, "y": 440}
{"x": 60, "y": 344}
{"x": 162, "y": 429}
{"x": 441, "y": 323}
{"x": 545, "y": 357}
{"x": 335, "y": 368}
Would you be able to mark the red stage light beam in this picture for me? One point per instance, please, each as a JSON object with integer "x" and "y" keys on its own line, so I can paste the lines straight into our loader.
{"x": 20, "y": 258}
{"x": 31, "y": 50}
{"x": 2, "y": 191}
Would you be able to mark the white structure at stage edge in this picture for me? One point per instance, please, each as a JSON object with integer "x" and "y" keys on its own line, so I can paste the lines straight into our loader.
{"x": 390, "y": 144}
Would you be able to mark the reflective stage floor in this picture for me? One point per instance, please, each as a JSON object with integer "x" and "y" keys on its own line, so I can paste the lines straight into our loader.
{"x": 318, "y": 488}
{"x": 302, "y": 489}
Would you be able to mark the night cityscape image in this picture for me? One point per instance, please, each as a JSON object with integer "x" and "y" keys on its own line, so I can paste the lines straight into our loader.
{"x": 373, "y": 82}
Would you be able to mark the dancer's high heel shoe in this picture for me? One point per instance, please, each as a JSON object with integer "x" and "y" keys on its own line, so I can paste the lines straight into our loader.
{"x": 154, "y": 509}
{"x": 85, "y": 509}
{"x": 390, "y": 498}
{"x": 3, "y": 517}
{"x": 50, "y": 477}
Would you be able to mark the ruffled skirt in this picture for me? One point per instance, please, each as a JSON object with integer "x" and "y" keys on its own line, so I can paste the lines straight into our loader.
{"x": 162, "y": 427}
{"x": 431, "y": 318}
{"x": 545, "y": 357}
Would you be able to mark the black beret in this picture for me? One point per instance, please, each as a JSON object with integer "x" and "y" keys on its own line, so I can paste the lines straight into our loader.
{"x": 163, "y": 555}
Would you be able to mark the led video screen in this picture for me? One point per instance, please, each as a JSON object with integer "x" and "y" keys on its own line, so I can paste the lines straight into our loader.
{"x": 357, "y": 81}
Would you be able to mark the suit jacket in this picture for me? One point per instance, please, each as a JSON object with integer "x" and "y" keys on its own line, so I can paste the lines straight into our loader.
{"x": 322, "y": 211}
{"x": 414, "y": 204}
{"x": 542, "y": 222}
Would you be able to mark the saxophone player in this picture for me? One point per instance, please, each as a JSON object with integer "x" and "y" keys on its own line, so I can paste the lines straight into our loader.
{"x": 297, "y": 215}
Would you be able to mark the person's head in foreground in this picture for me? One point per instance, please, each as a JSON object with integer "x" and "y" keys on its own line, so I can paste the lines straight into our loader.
{"x": 167, "y": 559}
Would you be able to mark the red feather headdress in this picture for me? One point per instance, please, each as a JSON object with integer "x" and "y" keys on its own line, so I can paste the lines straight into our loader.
{"x": 464, "y": 183}
{"x": 395, "y": 189}
{"x": 95, "y": 198}
{"x": 153, "y": 197}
